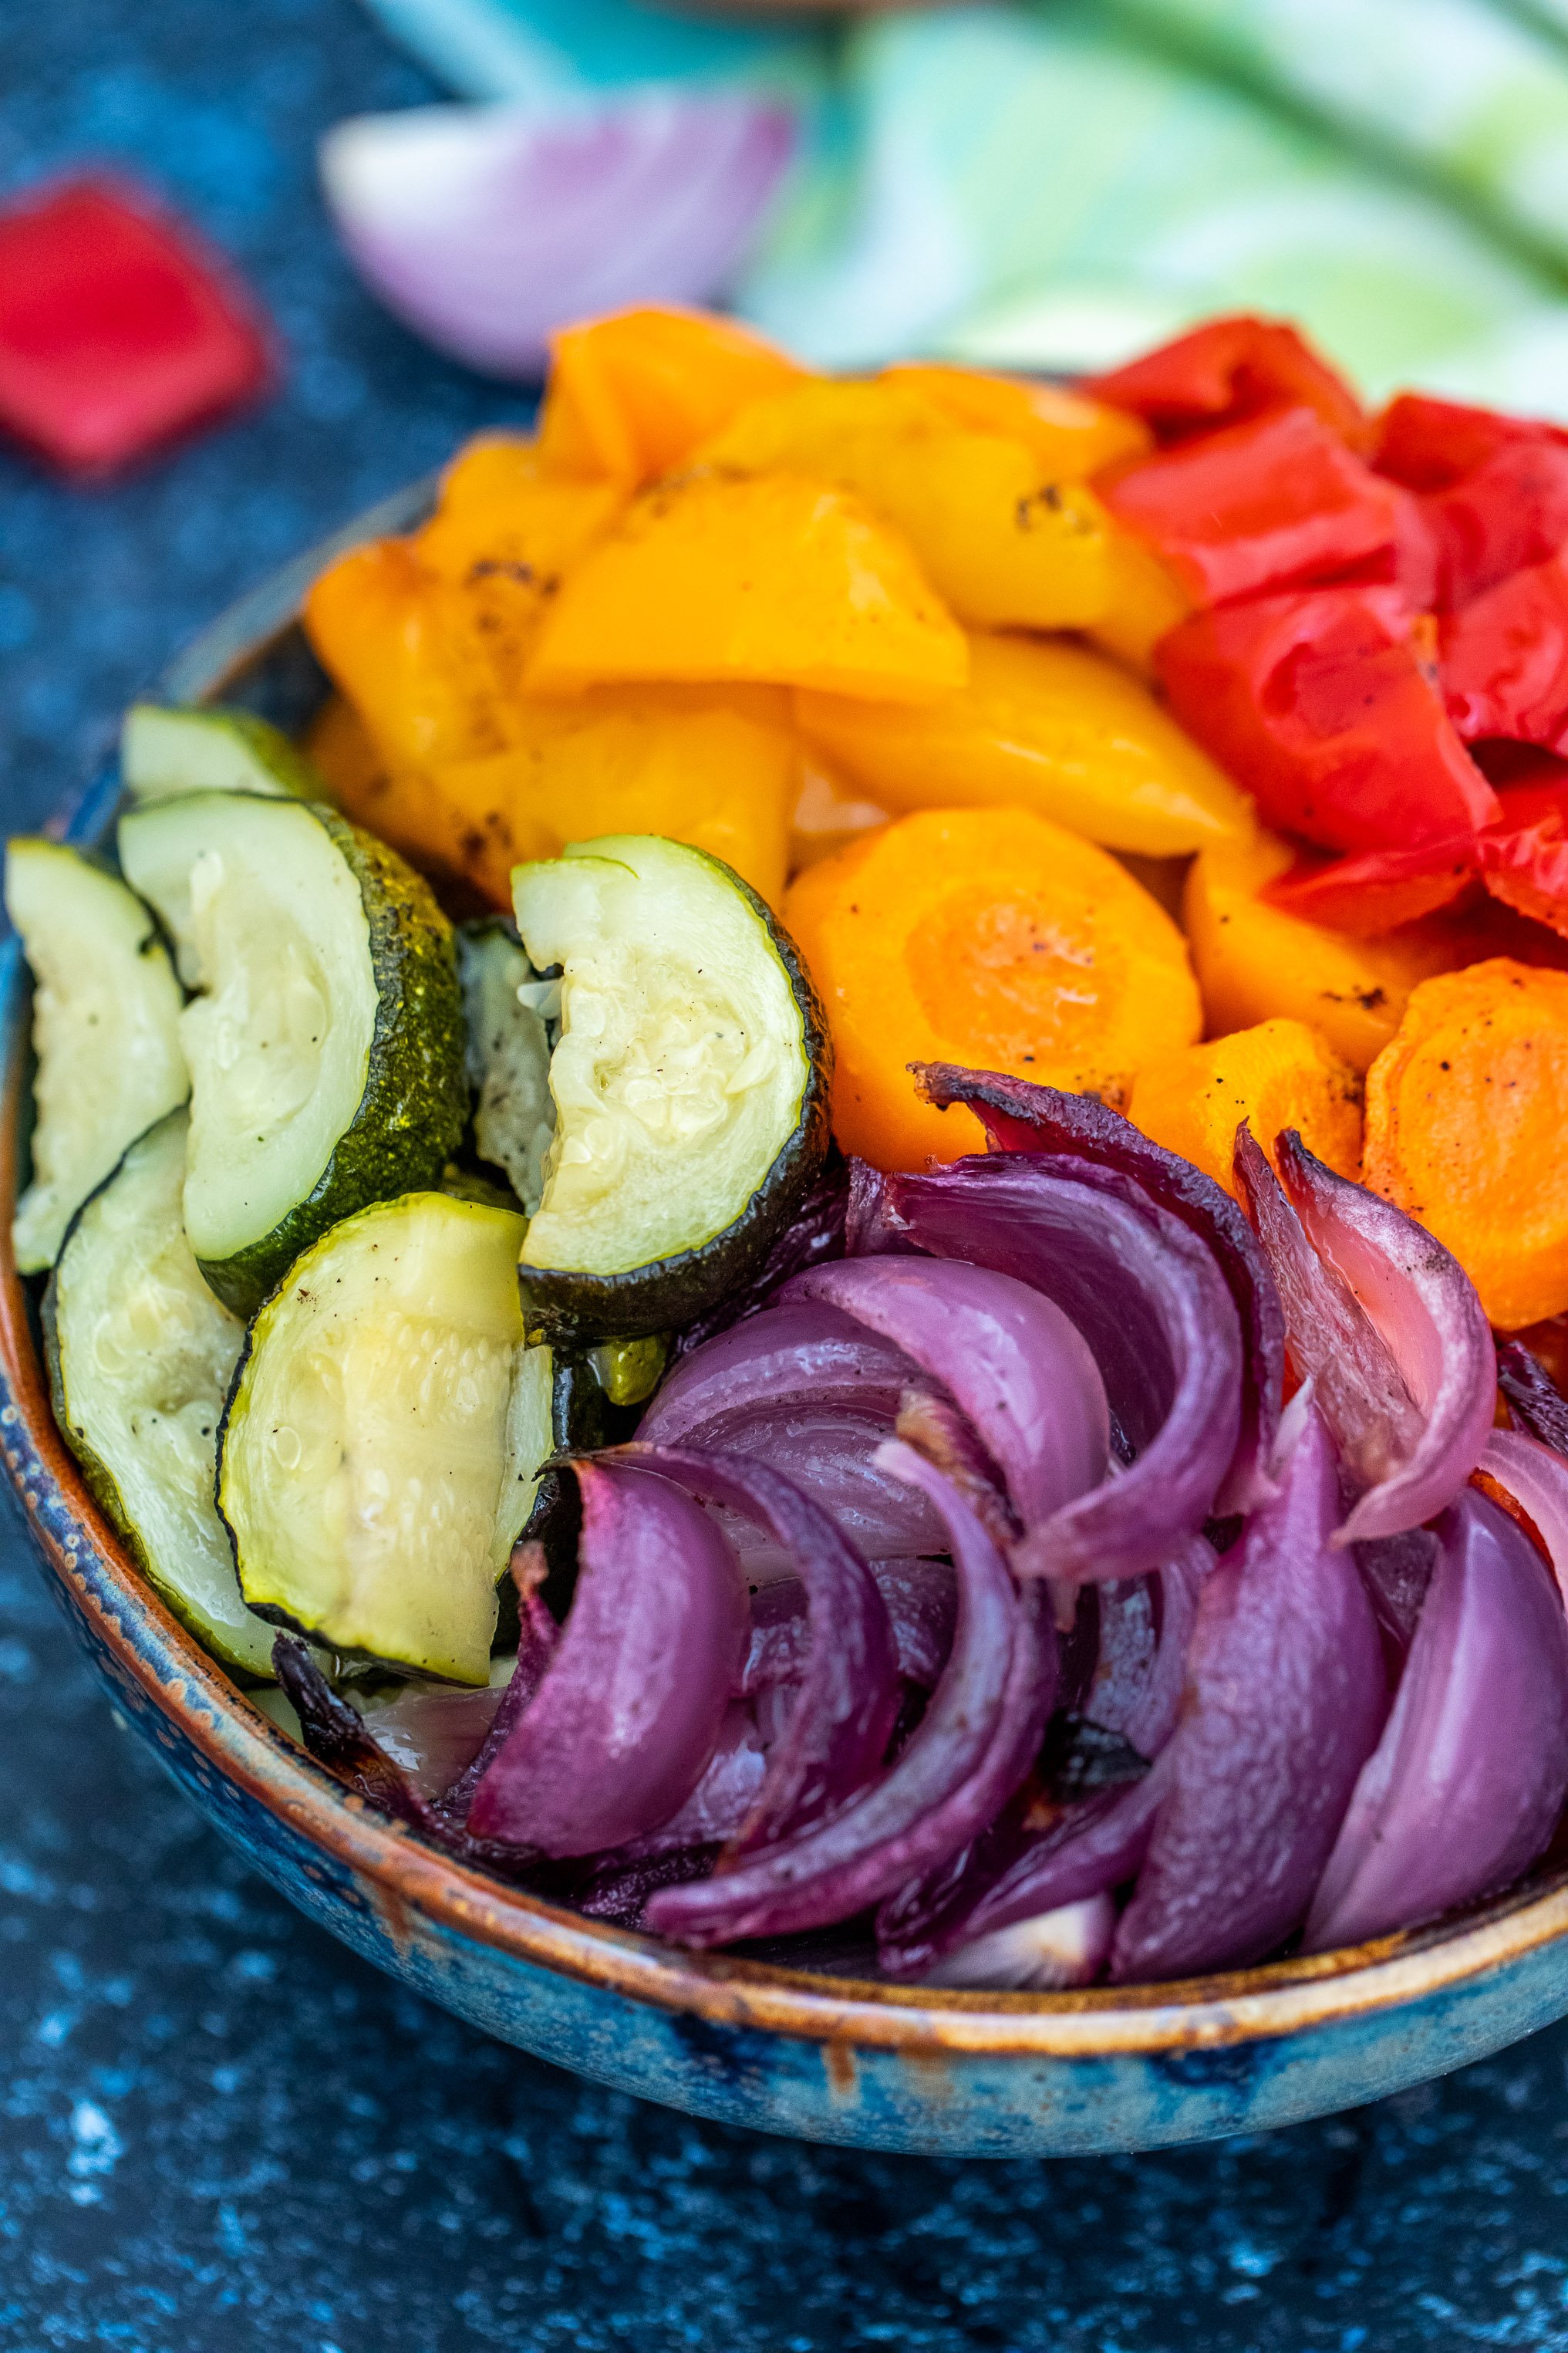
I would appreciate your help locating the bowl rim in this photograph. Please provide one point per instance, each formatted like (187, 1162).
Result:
(405, 1879)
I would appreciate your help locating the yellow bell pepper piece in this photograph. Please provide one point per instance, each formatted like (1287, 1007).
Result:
(1042, 725)
(402, 646)
(827, 816)
(1146, 600)
(631, 396)
(1280, 1074)
(1003, 543)
(719, 772)
(1255, 962)
(1070, 436)
(503, 518)
(778, 580)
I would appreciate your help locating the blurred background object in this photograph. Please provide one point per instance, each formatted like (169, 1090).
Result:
(1057, 182)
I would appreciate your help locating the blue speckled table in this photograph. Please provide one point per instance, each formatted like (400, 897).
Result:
(219, 2130)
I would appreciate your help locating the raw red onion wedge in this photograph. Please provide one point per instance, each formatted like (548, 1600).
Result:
(486, 227)
(1287, 1696)
(847, 1696)
(1469, 1777)
(972, 1749)
(1008, 1357)
(1536, 1476)
(807, 1390)
(1534, 1400)
(1423, 1306)
(627, 1714)
(1069, 1946)
(1019, 1116)
(1146, 1295)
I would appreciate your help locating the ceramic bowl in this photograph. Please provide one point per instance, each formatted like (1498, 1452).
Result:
(785, 2050)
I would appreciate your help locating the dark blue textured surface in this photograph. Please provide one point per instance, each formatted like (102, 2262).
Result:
(216, 2128)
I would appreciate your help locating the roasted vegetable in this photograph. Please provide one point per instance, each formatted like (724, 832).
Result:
(1464, 1130)
(504, 1008)
(106, 1017)
(1069, 437)
(326, 1051)
(1005, 543)
(778, 580)
(381, 1447)
(632, 396)
(139, 1356)
(690, 1082)
(1045, 727)
(991, 938)
(165, 751)
(1280, 1074)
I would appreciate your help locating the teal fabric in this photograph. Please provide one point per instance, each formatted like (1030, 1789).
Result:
(1059, 181)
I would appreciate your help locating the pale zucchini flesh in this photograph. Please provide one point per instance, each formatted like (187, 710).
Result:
(106, 1031)
(140, 1356)
(325, 1045)
(166, 750)
(507, 1056)
(383, 1440)
(689, 1081)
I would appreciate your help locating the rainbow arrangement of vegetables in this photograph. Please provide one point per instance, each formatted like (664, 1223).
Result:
(719, 1240)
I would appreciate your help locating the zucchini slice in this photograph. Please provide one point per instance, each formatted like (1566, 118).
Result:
(384, 1439)
(326, 1050)
(140, 1356)
(508, 1055)
(690, 1082)
(106, 1030)
(165, 751)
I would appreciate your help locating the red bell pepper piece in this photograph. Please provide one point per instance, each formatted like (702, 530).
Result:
(1326, 705)
(1493, 489)
(1377, 890)
(117, 329)
(1271, 502)
(1230, 369)
(1504, 659)
(1525, 855)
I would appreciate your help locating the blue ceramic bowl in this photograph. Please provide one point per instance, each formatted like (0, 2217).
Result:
(789, 2051)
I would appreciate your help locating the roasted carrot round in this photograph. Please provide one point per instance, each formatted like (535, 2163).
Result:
(1280, 1074)
(989, 937)
(1465, 1129)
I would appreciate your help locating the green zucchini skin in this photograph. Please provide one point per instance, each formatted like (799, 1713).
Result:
(574, 1310)
(162, 747)
(415, 1106)
(234, 1636)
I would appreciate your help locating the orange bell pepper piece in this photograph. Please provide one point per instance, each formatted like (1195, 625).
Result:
(631, 396)
(1006, 545)
(777, 580)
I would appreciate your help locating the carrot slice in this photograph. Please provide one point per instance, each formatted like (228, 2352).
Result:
(632, 395)
(988, 937)
(1041, 726)
(773, 579)
(1280, 1074)
(1464, 1130)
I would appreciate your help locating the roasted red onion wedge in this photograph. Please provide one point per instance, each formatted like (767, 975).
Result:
(806, 1388)
(1145, 1632)
(1018, 1116)
(1388, 1325)
(1069, 1946)
(626, 1717)
(1010, 1359)
(1286, 1696)
(921, 1601)
(845, 1699)
(1536, 1476)
(1534, 1400)
(1467, 1781)
(970, 1751)
(1146, 1295)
